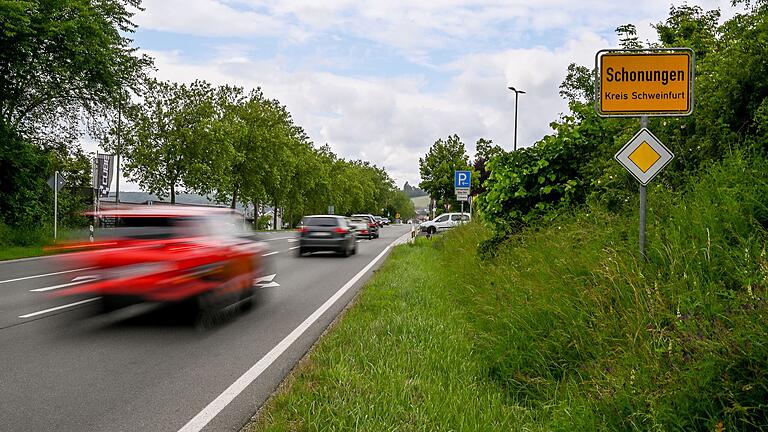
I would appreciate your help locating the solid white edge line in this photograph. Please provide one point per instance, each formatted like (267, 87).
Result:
(271, 253)
(198, 422)
(30, 315)
(44, 275)
(295, 247)
(62, 285)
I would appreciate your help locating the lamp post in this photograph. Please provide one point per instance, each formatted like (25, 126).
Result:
(517, 93)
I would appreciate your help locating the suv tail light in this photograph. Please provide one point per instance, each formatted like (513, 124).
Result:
(371, 225)
(302, 230)
(340, 230)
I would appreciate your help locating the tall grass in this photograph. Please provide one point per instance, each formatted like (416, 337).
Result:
(570, 319)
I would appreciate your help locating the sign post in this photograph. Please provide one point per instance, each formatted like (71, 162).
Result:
(643, 199)
(644, 82)
(56, 182)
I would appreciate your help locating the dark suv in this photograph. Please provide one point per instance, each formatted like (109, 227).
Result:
(373, 224)
(326, 233)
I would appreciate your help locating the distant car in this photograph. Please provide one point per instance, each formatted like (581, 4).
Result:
(386, 221)
(373, 225)
(361, 227)
(380, 221)
(444, 222)
(326, 233)
(206, 258)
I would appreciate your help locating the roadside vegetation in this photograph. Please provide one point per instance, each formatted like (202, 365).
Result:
(543, 316)
(565, 329)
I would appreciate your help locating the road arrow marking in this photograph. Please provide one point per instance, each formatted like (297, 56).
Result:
(269, 285)
(267, 278)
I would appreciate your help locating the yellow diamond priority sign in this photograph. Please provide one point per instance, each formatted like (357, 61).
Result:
(644, 156)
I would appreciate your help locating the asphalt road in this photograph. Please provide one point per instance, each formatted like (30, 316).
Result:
(140, 370)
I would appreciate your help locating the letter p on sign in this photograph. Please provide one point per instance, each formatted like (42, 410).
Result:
(462, 179)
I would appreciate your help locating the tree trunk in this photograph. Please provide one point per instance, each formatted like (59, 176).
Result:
(173, 194)
(274, 214)
(256, 213)
(234, 198)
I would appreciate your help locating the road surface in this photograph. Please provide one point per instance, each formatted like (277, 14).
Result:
(62, 368)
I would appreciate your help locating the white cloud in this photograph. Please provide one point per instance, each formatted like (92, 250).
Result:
(392, 121)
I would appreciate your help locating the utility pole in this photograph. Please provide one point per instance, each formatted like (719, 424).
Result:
(517, 93)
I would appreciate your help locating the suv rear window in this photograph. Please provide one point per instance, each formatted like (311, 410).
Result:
(321, 221)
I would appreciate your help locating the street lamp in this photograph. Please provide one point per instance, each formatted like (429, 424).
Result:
(517, 93)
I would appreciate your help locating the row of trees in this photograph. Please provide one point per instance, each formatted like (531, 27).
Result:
(239, 146)
(67, 69)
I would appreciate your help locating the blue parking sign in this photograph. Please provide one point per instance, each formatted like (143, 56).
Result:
(461, 179)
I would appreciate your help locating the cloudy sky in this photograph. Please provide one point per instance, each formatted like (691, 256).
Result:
(381, 80)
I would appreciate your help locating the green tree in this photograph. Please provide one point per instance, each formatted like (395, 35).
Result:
(437, 168)
(486, 151)
(628, 37)
(61, 58)
(176, 140)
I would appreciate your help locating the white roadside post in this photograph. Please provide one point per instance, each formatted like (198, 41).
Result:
(643, 83)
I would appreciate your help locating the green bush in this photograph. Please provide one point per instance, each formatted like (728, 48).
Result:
(24, 236)
(263, 222)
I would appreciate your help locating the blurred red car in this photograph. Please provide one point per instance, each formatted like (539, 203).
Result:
(203, 256)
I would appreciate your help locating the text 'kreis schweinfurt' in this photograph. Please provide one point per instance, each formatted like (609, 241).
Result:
(663, 77)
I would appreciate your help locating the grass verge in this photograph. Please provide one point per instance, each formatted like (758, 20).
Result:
(392, 360)
(565, 329)
(16, 252)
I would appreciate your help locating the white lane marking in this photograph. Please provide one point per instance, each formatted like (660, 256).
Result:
(50, 288)
(268, 285)
(293, 240)
(198, 422)
(271, 253)
(279, 238)
(44, 275)
(33, 314)
(295, 247)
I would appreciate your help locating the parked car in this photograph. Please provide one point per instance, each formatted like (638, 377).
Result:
(326, 233)
(373, 225)
(206, 258)
(444, 222)
(360, 226)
